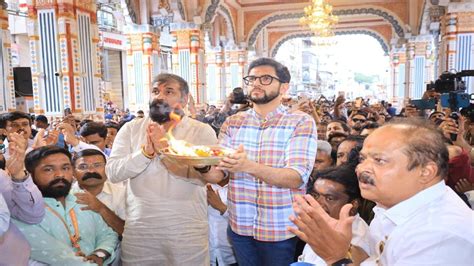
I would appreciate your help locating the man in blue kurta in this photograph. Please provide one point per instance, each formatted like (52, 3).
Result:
(67, 235)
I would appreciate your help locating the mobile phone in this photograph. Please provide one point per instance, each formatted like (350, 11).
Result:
(455, 117)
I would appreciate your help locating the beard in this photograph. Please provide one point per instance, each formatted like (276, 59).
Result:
(51, 191)
(91, 175)
(357, 127)
(266, 97)
(160, 111)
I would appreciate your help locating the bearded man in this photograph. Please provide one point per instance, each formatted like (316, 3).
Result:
(166, 221)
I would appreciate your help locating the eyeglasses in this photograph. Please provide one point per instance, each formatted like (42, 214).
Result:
(85, 167)
(19, 125)
(264, 80)
(355, 120)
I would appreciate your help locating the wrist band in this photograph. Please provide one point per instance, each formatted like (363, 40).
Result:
(204, 169)
(146, 154)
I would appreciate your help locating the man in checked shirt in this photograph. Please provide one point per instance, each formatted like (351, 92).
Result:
(275, 154)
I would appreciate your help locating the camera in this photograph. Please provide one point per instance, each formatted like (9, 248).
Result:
(238, 96)
(451, 87)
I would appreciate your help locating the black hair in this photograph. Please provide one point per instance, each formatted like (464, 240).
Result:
(42, 118)
(344, 174)
(140, 112)
(359, 112)
(84, 121)
(336, 135)
(343, 124)
(92, 128)
(166, 77)
(112, 125)
(3, 121)
(370, 125)
(281, 71)
(354, 153)
(3, 162)
(12, 116)
(87, 152)
(34, 157)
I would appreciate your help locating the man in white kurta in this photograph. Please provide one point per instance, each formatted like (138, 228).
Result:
(166, 220)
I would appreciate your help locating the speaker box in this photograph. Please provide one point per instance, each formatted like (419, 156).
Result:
(23, 83)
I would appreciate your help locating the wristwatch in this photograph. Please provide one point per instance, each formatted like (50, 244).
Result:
(100, 254)
(342, 262)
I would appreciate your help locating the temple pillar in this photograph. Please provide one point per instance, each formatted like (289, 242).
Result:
(235, 63)
(457, 40)
(143, 53)
(188, 57)
(65, 57)
(7, 86)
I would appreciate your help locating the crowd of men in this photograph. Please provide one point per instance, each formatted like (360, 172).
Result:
(309, 182)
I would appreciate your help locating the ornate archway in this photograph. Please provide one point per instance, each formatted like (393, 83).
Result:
(378, 37)
(386, 15)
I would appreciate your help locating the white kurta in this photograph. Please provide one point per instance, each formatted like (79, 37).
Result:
(166, 208)
(219, 245)
(360, 238)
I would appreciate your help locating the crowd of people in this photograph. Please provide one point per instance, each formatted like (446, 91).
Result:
(309, 182)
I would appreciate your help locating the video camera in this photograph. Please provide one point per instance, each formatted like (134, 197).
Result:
(452, 89)
(238, 96)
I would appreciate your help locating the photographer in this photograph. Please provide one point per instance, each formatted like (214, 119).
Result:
(236, 97)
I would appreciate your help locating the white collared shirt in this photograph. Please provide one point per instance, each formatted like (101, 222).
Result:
(434, 227)
(112, 195)
(220, 248)
(360, 238)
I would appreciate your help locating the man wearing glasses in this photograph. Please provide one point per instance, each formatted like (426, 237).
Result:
(357, 121)
(276, 150)
(99, 195)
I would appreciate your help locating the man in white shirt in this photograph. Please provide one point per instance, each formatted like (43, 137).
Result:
(333, 188)
(220, 248)
(166, 202)
(418, 219)
(99, 195)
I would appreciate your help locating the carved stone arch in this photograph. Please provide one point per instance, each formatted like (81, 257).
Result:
(211, 11)
(225, 13)
(378, 37)
(376, 11)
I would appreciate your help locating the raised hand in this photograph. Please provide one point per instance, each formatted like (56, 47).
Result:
(17, 149)
(69, 133)
(45, 137)
(328, 237)
(156, 137)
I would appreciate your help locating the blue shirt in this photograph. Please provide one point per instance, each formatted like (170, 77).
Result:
(50, 241)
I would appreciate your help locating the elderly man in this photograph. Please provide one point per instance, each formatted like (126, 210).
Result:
(418, 219)
(323, 157)
(166, 220)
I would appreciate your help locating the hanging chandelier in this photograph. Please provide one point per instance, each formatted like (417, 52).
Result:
(319, 18)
